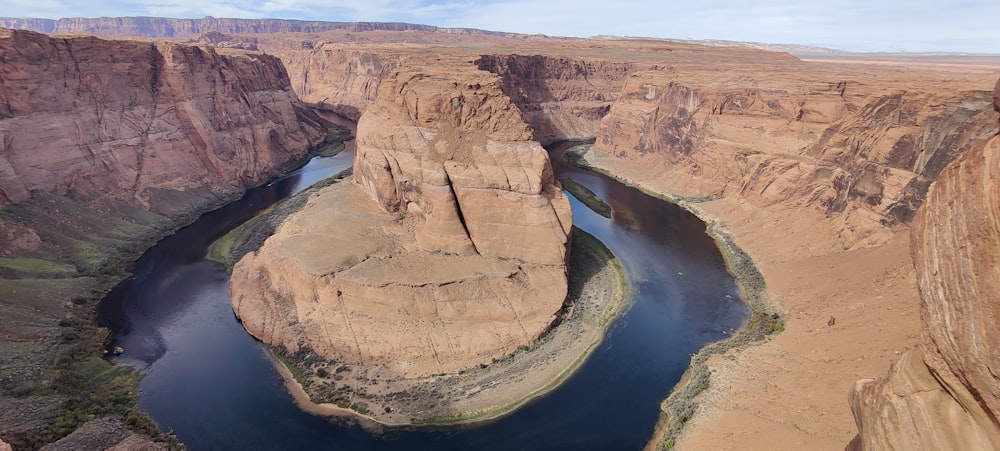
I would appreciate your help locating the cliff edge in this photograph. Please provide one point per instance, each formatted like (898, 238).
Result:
(106, 146)
(946, 393)
(449, 250)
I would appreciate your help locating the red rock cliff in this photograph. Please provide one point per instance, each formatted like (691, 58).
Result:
(860, 156)
(104, 144)
(946, 394)
(143, 123)
(447, 252)
(562, 98)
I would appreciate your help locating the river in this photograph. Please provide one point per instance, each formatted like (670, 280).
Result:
(211, 384)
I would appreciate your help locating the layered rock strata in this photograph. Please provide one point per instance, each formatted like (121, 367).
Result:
(862, 158)
(143, 123)
(946, 393)
(448, 251)
(104, 147)
(562, 98)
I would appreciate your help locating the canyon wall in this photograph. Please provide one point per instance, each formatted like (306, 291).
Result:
(341, 78)
(104, 147)
(862, 157)
(143, 123)
(946, 393)
(562, 98)
(448, 251)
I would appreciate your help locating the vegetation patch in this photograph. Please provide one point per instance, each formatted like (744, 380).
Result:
(250, 236)
(90, 386)
(586, 196)
(35, 268)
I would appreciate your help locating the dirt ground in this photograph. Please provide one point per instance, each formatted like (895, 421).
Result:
(849, 314)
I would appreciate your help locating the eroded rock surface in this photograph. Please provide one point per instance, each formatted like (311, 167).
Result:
(105, 145)
(946, 394)
(143, 123)
(448, 251)
(859, 156)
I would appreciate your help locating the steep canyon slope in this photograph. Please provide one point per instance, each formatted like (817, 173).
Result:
(814, 168)
(945, 394)
(816, 171)
(449, 250)
(104, 146)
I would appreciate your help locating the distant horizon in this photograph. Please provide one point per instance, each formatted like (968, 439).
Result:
(888, 26)
(595, 37)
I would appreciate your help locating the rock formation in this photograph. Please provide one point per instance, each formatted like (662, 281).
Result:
(860, 158)
(815, 168)
(562, 98)
(105, 145)
(157, 126)
(448, 251)
(946, 394)
(341, 78)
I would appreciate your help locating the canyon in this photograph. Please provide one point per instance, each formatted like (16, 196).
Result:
(817, 169)
(105, 146)
(945, 393)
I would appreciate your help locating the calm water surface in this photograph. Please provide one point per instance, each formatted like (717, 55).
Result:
(212, 384)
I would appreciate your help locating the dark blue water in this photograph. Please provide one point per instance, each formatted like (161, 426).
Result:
(212, 384)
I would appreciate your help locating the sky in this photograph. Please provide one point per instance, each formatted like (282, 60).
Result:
(854, 25)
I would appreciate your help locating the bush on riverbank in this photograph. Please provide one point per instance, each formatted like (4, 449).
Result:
(586, 196)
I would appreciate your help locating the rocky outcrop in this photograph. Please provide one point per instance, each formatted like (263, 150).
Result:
(448, 251)
(339, 78)
(946, 394)
(105, 146)
(157, 126)
(562, 98)
(861, 158)
(478, 183)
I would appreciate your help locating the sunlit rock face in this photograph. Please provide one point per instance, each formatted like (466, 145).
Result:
(946, 394)
(159, 126)
(449, 249)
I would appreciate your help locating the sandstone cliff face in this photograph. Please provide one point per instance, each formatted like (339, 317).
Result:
(448, 251)
(104, 146)
(562, 98)
(461, 160)
(946, 395)
(143, 123)
(860, 157)
(337, 77)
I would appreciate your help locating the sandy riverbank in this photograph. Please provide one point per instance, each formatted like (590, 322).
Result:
(849, 312)
(598, 292)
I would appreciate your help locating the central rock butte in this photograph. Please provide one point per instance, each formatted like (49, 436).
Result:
(449, 250)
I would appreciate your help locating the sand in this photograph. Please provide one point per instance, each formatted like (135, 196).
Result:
(849, 314)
